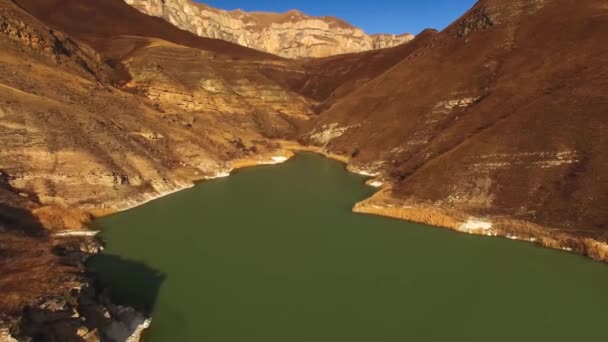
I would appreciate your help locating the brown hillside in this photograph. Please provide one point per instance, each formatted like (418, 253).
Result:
(504, 114)
(90, 20)
(72, 145)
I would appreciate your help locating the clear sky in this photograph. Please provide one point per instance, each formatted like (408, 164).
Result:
(373, 16)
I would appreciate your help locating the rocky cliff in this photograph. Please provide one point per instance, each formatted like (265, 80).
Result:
(292, 34)
(93, 123)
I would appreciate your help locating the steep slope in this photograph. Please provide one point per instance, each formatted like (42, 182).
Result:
(182, 114)
(45, 293)
(90, 129)
(96, 21)
(292, 34)
(502, 118)
(325, 80)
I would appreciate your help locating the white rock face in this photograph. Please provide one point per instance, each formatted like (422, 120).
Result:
(292, 34)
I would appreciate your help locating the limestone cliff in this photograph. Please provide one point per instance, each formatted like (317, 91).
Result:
(494, 126)
(292, 34)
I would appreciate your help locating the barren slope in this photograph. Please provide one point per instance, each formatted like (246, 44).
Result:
(503, 115)
(95, 21)
(73, 146)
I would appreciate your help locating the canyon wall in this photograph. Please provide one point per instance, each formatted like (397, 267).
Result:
(292, 34)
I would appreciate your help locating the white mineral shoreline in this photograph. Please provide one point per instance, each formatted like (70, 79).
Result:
(134, 203)
(76, 233)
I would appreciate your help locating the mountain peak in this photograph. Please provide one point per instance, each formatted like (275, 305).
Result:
(292, 34)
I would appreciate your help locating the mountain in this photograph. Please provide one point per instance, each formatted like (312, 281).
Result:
(495, 125)
(498, 121)
(292, 34)
(102, 114)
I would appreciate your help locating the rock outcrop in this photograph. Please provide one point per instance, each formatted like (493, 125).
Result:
(74, 143)
(292, 34)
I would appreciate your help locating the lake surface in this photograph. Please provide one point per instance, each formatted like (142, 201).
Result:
(274, 254)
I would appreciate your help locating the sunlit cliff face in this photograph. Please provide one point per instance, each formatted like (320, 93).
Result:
(292, 34)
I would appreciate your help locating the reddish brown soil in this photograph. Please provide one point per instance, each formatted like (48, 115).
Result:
(325, 80)
(538, 78)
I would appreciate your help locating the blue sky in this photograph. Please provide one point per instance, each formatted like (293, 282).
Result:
(379, 16)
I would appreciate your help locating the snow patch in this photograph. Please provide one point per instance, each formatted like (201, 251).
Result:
(376, 183)
(130, 326)
(279, 159)
(328, 133)
(219, 174)
(77, 233)
(456, 103)
(365, 173)
(543, 160)
(370, 170)
(475, 224)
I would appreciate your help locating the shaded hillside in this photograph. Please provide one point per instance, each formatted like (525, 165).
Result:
(503, 115)
(94, 21)
(326, 80)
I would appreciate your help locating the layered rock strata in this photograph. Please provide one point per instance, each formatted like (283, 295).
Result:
(292, 34)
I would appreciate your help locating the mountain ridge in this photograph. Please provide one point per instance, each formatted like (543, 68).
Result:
(292, 34)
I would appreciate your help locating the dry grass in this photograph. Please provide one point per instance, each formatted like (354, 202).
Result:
(295, 146)
(30, 271)
(384, 204)
(56, 218)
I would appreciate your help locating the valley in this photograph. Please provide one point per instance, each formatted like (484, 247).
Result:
(494, 126)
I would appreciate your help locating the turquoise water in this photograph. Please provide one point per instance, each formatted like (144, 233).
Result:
(274, 253)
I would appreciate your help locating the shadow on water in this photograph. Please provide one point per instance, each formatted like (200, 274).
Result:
(130, 282)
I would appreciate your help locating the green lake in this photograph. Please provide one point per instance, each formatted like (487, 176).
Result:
(274, 254)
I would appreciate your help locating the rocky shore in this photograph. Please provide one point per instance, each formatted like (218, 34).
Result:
(80, 309)
(85, 310)
(384, 203)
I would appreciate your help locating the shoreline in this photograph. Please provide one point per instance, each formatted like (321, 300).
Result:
(286, 151)
(381, 203)
(437, 217)
(278, 157)
(80, 234)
